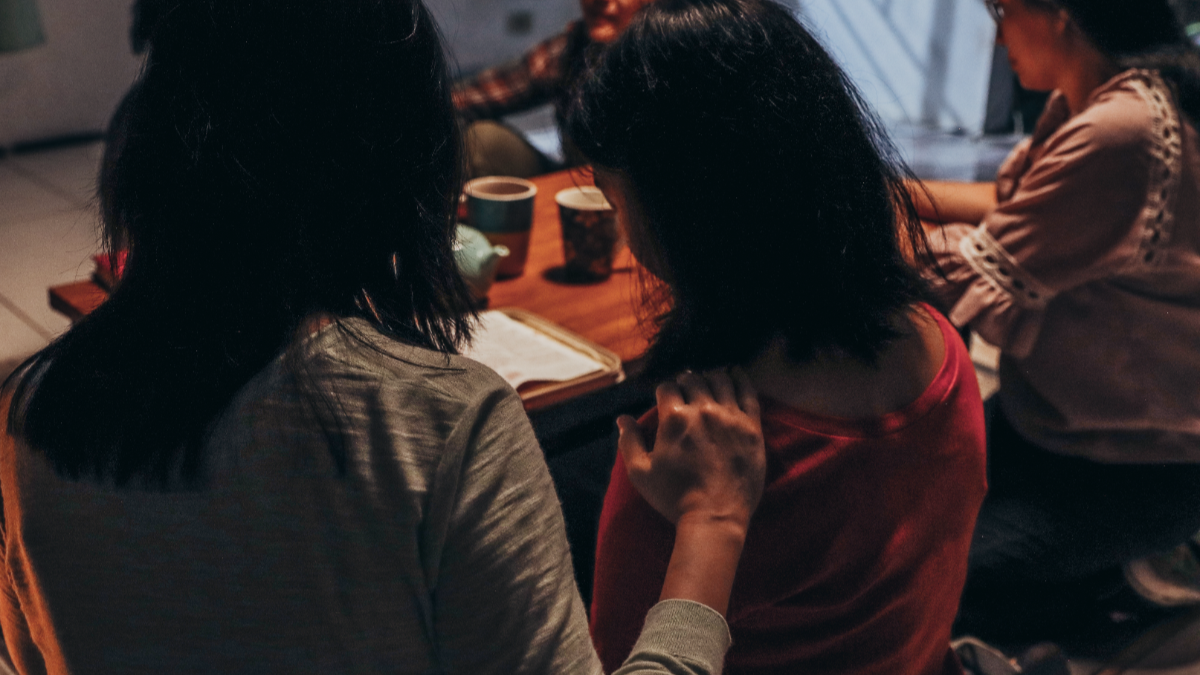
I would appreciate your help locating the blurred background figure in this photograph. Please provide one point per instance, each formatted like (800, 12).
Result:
(1081, 262)
(546, 74)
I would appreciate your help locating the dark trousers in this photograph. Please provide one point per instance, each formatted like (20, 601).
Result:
(1053, 533)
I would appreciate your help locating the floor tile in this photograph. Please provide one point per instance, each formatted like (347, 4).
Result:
(17, 340)
(22, 198)
(39, 253)
(70, 172)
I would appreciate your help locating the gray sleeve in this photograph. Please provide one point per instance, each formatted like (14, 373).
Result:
(680, 637)
(505, 600)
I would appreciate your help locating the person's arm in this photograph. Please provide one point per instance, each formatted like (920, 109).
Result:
(705, 474)
(514, 87)
(941, 202)
(1077, 214)
(504, 598)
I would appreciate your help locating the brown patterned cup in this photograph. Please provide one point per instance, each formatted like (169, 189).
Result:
(589, 233)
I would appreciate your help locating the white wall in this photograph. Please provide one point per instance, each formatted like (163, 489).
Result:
(923, 62)
(71, 83)
(480, 33)
(917, 61)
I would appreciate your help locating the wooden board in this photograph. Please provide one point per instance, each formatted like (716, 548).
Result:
(77, 300)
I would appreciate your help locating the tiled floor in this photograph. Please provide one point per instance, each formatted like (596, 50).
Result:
(48, 233)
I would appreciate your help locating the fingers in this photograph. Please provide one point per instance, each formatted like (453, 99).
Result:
(708, 458)
(747, 397)
(671, 422)
(683, 399)
(632, 446)
(669, 396)
(694, 386)
(727, 387)
(722, 387)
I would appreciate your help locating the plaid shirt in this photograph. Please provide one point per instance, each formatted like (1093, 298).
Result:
(538, 77)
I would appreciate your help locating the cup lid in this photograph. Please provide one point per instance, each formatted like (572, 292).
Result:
(583, 198)
(512, 188)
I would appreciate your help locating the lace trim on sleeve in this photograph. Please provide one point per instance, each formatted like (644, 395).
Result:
(987, 257)
(1158, 214)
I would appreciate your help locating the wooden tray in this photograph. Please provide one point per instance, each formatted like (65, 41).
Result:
(77, 300)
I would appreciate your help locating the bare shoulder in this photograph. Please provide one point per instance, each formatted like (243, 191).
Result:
(850, 389)
(911, 363)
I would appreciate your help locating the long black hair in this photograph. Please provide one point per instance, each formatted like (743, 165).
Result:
(1141, 34)
(276, 159)
(771, 195)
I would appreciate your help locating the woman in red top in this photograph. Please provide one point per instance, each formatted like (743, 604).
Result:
(782, 242)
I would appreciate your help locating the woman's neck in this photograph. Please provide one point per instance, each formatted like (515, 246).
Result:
(1080, 79)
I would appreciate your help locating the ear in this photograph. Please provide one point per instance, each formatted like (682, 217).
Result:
(1068, 31)
(1063, 23)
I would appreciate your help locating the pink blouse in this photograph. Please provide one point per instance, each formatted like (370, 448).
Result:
(1087, 276)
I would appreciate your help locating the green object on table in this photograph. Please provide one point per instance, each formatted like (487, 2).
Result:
(20, 25)
(477, 260)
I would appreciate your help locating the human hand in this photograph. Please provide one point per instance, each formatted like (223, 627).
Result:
(708, 463)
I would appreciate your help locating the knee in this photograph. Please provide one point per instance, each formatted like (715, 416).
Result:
(494, 149)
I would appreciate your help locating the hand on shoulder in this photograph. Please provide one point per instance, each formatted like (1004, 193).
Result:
(707, 460)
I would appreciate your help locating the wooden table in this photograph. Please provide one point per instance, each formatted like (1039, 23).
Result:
(77, 300)
(601, 312)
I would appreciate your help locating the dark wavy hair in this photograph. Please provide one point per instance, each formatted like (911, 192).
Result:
(772, 197)
(1141, 34)
(275, 160)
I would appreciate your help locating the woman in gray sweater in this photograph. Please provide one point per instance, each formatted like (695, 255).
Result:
(262, 453)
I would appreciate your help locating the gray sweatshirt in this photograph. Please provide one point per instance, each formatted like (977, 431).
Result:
(441, 549)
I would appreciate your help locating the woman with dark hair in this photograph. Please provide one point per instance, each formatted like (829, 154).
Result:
(780, 243)
(1082, 263)
(262, 453)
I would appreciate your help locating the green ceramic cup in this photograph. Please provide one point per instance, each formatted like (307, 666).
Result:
(501, 207)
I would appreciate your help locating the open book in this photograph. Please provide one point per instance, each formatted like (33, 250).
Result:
(544, 362)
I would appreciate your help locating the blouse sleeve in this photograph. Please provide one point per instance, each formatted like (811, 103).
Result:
(1095, 202)
(516, 86)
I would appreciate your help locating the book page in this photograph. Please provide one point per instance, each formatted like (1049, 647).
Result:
(522, 354)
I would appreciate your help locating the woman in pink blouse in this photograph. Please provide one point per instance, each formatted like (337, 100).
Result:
(1082, 263)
